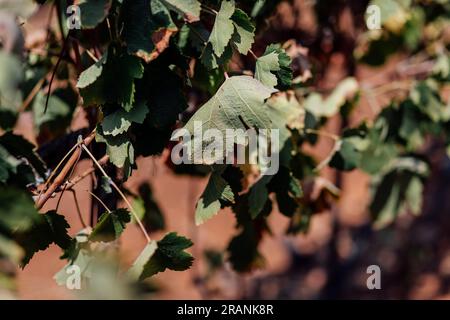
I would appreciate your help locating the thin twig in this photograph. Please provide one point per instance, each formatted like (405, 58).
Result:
(66, 39)
(208, 9)
(90, 54)
(32, 94)
(56, 170)
(68, 179)
(99, 200)
(77, 179)
(59, 180)
(136, 217)
(253, 54)
(77, 205)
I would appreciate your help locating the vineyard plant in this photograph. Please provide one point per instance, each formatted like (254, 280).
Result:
(94, 92)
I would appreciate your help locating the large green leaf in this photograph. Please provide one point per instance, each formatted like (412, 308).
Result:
(238, 104)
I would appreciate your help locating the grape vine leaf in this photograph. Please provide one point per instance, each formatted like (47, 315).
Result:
(120, 121)
(111, 79)
(93, 12)
(110, 225)
(243, 249)
(244, 35)
(273, 68)
(11, 250)
(144, 257)
(211, 61)
(82, 261)
(148, 27)
(287, 114)
(21, 148)
(57, 118)
(50, 227)
(258, 195)
(223, 27)
(8, 165)
(164, 102)
(119, 148)
(427, 99)
(17, 212)
(238, 104)
(189, 9)
(91, 74)
(11, 78)
(327, 107)
(349, 150)
(169, 254)
(217, 190)
(397, 189)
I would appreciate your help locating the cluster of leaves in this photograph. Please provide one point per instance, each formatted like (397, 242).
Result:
(150, 58)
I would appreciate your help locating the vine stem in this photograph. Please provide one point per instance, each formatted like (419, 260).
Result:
(209, 10)
(99, 200)
(77, 206)
(136, 217)
(77, 179)
(253, 54)
(59, 180)
(32, 94)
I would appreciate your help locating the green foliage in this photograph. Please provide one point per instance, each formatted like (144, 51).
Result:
(10, 94)
(238, 104)
(167, 253)
(47, 229)
(223, 28)
(217, 190)
(110, 225)
(93, 12)
(273, 68)
(149, 58)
